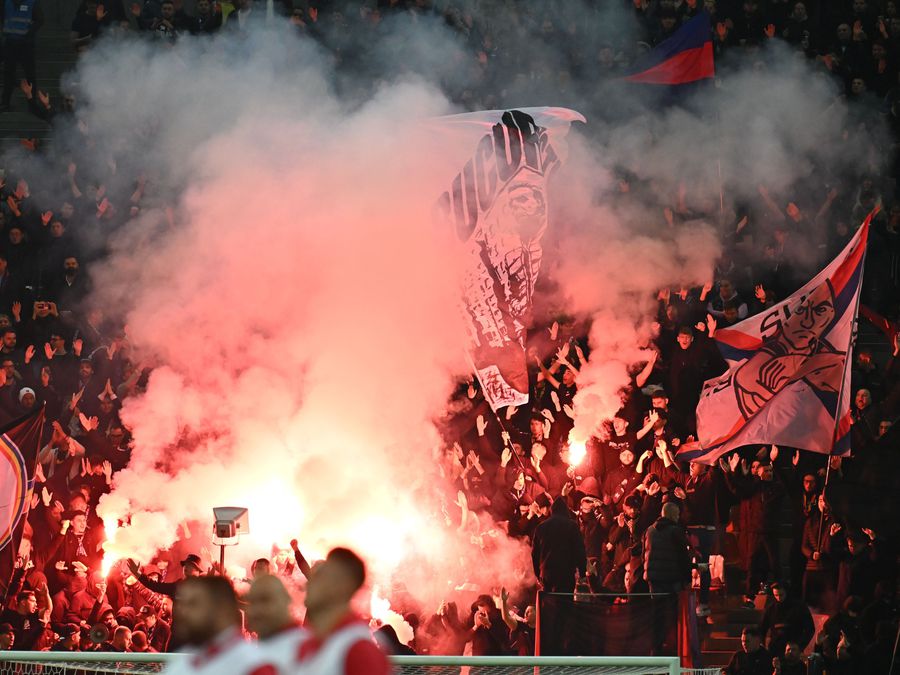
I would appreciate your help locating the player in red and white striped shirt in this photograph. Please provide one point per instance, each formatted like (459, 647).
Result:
(208, 618)
(340, 643)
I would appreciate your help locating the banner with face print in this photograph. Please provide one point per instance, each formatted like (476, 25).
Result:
(789, 365)
(19, 446)
(497, 207)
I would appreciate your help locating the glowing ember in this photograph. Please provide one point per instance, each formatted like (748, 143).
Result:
(577, 452)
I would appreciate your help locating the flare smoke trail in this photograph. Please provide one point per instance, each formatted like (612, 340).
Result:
(304, 309)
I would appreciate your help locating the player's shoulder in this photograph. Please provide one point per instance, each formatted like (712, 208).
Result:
(364, 657)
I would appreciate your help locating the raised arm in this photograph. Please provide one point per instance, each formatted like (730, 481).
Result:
(504, 610)
(302, 563)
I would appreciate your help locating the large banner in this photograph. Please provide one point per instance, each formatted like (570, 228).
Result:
(19, 445)
(497, 205)
(789, 365)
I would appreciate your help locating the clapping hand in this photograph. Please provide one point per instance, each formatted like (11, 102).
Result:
(88, 423)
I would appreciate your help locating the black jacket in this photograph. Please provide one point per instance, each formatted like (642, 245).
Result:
(666, 556)
(558, 550)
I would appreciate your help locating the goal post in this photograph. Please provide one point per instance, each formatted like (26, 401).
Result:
(71, 663)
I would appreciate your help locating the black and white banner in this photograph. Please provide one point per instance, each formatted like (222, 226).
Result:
(497, 205)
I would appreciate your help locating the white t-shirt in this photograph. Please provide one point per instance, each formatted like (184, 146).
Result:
(282, 648)
(227, 654)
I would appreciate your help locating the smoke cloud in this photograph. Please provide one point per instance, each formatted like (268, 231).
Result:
(300, 306)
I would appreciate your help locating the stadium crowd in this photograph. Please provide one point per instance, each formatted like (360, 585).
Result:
(626, 518)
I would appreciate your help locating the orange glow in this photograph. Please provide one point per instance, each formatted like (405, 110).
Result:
(577, 452)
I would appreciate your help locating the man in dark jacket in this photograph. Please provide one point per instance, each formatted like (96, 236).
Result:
(190, 567)
(557, 552)
(667, 563)
(786, 620)
(752, 658)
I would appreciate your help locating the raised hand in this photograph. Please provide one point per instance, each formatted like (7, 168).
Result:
(510, 411)
(461, 500)
(133, 566)
(760, 292)
(17, 311)
(76, 397)
(88, 423)
(77, 346)
(554, 330)
(555, 398)
(481, 424)
(505, 456)
(711, 324)
(569, 411)
(733, 462)
(580, 354)
(48, 351)
(796, 459)
(26, 88)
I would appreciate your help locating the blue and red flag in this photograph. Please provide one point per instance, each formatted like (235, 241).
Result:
(683, 58)
(788, 381)
(19, 445)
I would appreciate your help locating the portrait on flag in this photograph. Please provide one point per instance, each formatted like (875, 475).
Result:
(799, 351)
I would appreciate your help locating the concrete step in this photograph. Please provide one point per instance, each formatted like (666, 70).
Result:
(726, 643)
(738, 616)
(716, 659)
